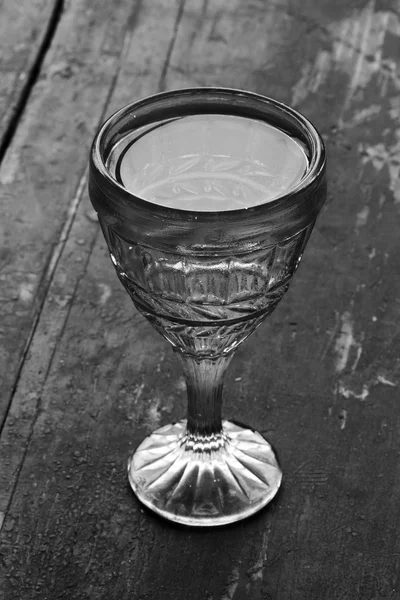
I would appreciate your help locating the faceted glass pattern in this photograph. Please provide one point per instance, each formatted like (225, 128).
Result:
(205, 305)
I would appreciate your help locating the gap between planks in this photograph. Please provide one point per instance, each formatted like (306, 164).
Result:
(23, 99)
(45, 287)
(161, 85)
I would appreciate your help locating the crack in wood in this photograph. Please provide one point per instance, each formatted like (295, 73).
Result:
(32, 78)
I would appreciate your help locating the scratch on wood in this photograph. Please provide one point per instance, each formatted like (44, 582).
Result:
(347, 393)
(381, 156)
(365, 45)
(362, 116)
(256, 571)
(153, 414)
(332, 335)
(382, 379)
(343, 418)
(368, 29)
(105, 293)
(312, 77)
(347, 390)
(344, 343)
(137, 392)
(362, 217)
(232, 584)
(92, 550)
(357, 50)
(309, 474)
(341, 46)
(357, 358)
(300, 467)
(2, 517)
(313, 477)
(304, 518)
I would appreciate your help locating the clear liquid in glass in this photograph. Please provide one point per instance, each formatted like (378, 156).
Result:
(209, 163)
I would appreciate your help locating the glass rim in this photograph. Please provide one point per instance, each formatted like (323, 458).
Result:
(315, 145)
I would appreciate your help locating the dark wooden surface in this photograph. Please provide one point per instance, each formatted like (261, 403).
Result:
(84, 377)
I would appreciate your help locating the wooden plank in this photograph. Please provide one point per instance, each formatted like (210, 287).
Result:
(63, 280)
(319, 378)
(25, 30)
(44, 165)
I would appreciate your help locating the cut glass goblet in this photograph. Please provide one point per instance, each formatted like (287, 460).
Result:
(205, 280)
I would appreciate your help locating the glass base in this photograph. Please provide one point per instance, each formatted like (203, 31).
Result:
(204, 481)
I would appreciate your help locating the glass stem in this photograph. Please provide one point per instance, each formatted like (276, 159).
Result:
(204, 381)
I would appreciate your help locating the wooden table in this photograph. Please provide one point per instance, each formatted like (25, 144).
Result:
(84, 377)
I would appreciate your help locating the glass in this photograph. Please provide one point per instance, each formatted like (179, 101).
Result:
(206, 281)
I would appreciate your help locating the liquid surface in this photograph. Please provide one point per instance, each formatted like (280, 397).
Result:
(211, 163)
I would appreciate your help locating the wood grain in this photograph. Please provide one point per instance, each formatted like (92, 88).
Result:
(320, 378)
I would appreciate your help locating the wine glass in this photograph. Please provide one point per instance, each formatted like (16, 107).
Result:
(205, 280)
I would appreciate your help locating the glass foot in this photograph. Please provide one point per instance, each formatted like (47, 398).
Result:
(204, 481)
